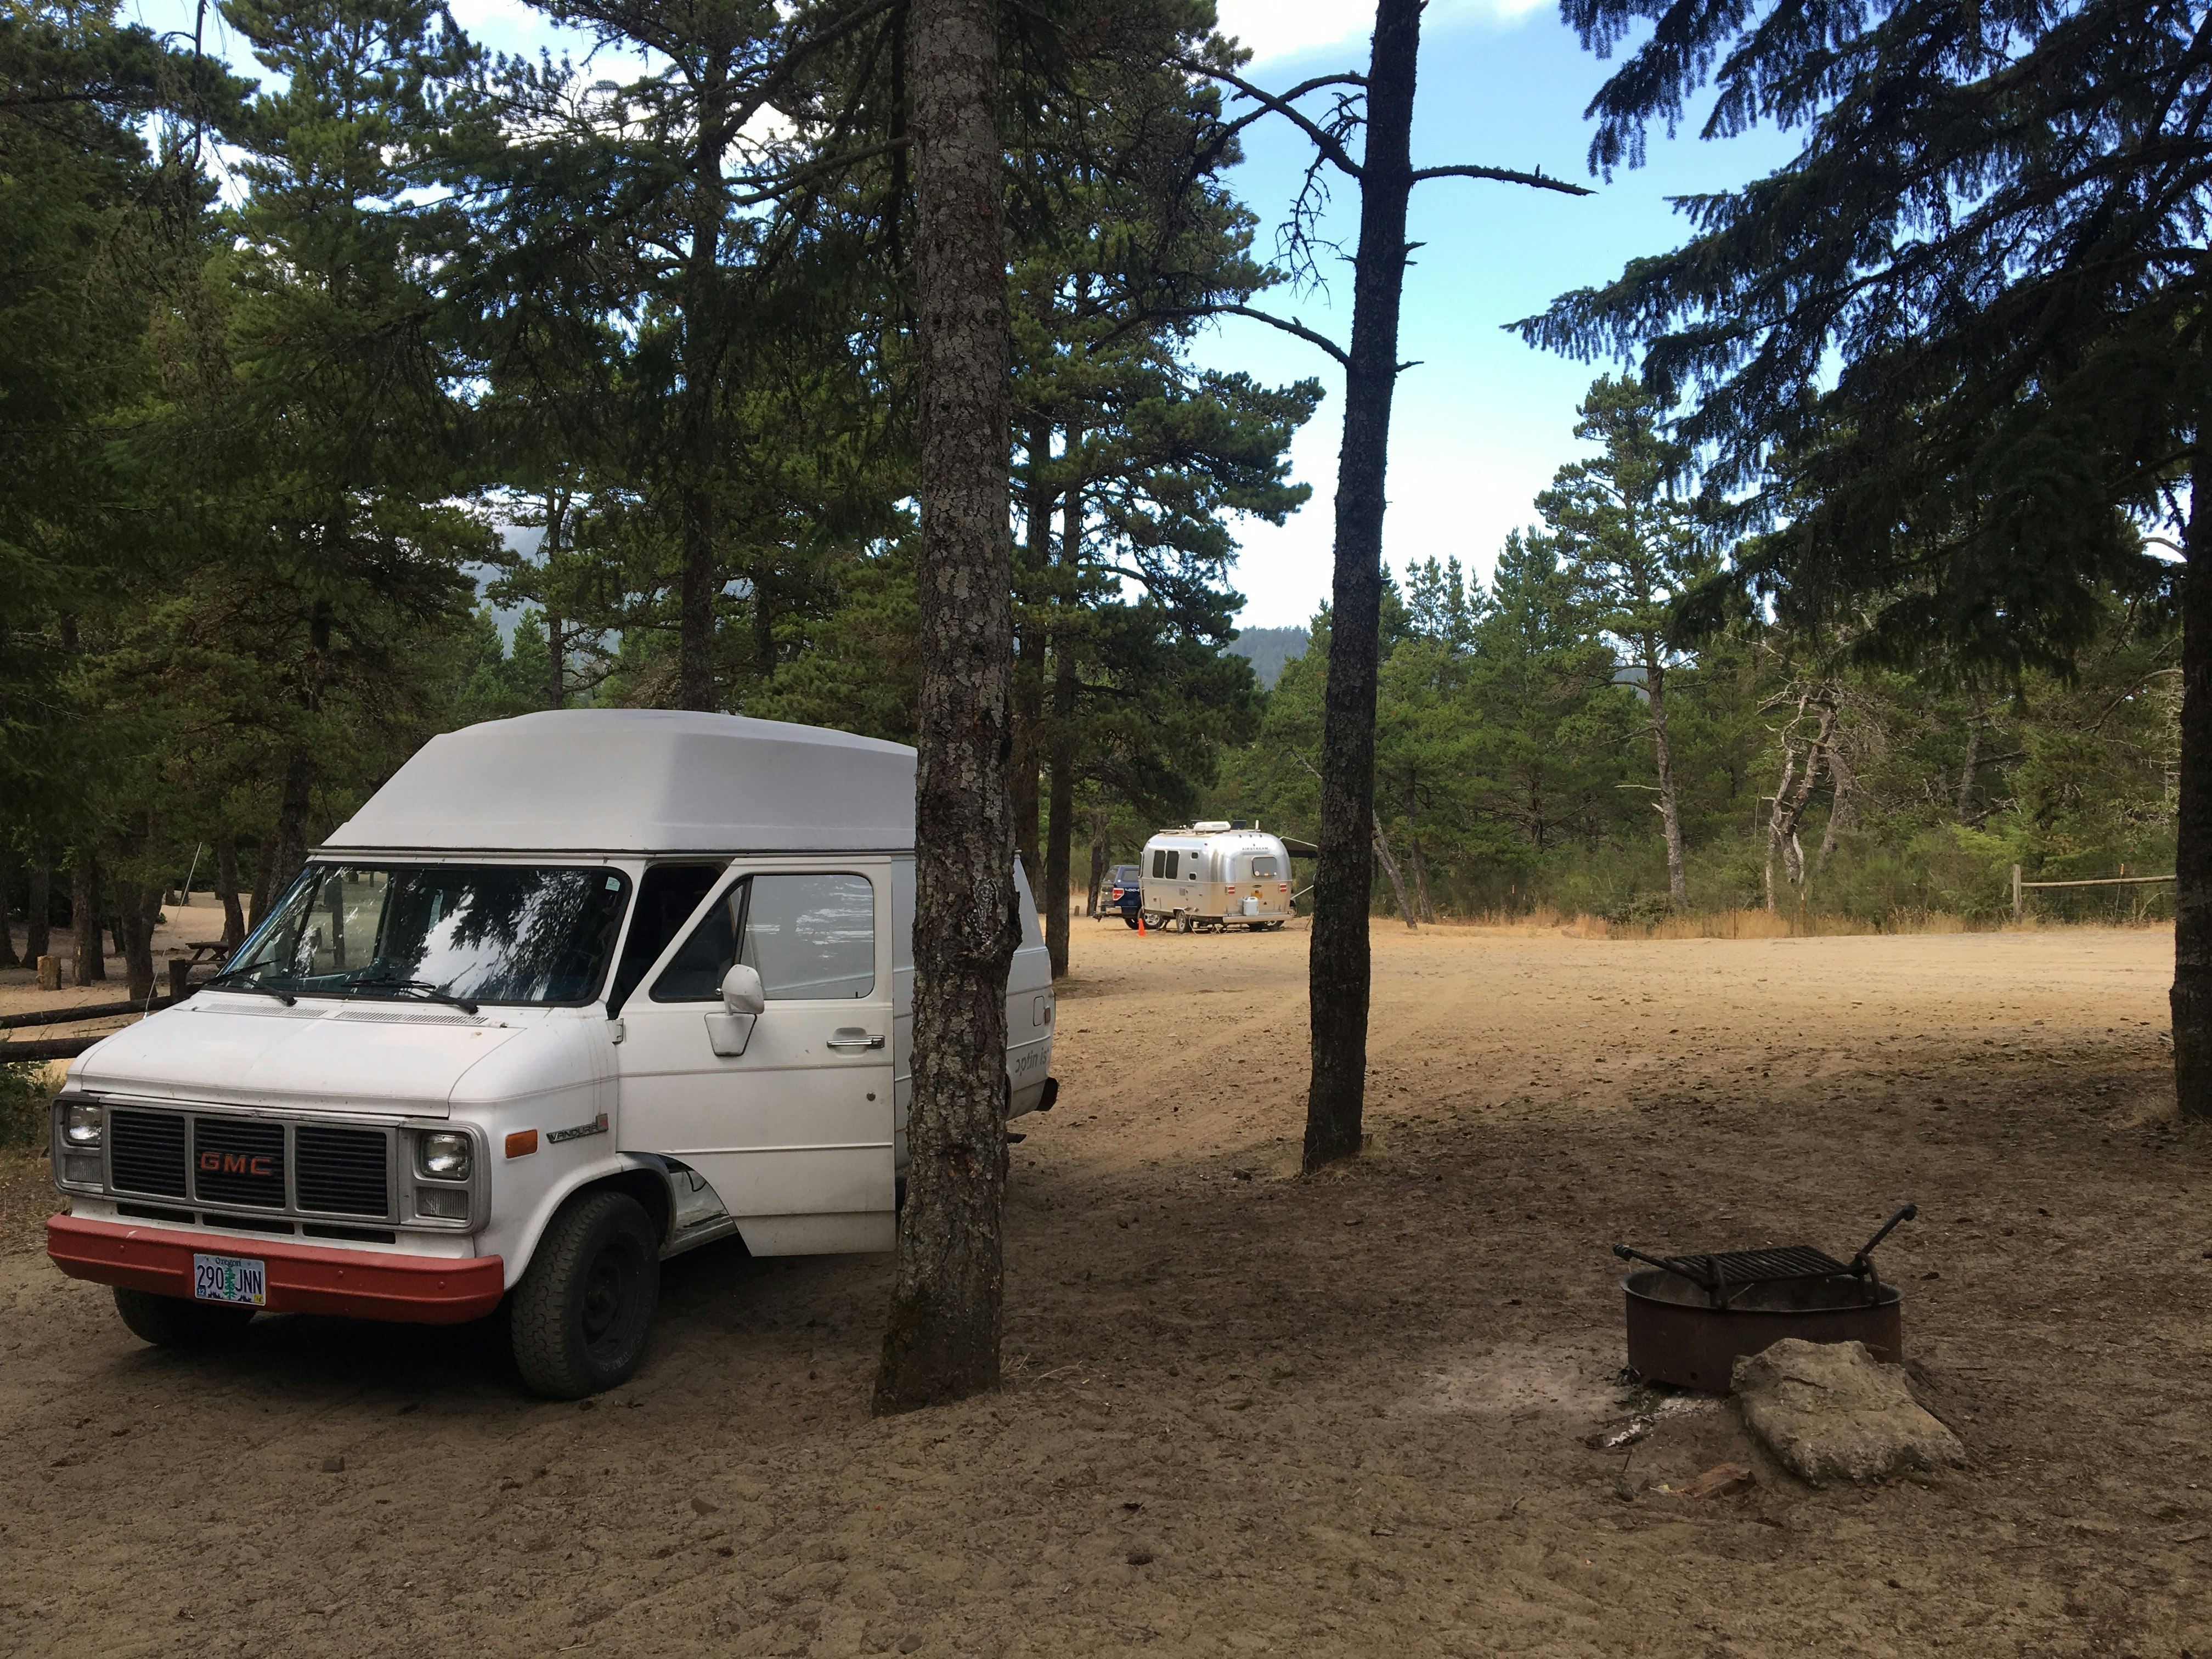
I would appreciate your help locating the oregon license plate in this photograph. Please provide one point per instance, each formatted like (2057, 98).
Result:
(237, 1279)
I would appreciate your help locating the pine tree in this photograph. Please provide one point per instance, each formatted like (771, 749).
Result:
(1957, 348)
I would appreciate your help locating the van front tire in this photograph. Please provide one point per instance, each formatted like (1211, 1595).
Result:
(582, 1310)
(170, 1321)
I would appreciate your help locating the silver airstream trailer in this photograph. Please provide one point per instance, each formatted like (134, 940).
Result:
(1217, 875)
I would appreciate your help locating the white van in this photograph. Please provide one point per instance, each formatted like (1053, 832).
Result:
(1216, 875)
(571, 994)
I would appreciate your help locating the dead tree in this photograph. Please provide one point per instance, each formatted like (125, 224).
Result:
(1380, 103)
(941, 1340)
(1803, 755)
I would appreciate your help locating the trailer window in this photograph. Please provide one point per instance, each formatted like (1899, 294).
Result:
(1264, 868)
(809, 938)
(1163, 863)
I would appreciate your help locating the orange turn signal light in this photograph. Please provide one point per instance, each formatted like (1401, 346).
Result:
(522, 1143)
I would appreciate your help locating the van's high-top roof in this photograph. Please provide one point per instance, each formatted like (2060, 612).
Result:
(641, 781)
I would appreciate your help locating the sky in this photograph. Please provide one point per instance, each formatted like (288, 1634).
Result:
(1484, 421)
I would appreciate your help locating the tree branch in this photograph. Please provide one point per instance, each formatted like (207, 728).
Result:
(1538, 179)
(1289, 326)
(1328, 146)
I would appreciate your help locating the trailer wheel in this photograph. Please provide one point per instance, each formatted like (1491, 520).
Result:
(583, 1307)
(171, 1322)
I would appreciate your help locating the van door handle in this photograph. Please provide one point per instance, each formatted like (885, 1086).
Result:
(851, 1037)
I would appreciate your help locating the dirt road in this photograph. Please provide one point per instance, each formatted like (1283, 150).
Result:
(1251, 1414)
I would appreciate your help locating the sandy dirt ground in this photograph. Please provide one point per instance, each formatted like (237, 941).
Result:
(1250, 1413)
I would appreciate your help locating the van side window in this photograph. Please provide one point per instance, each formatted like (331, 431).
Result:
(808, 937)
(666, 899)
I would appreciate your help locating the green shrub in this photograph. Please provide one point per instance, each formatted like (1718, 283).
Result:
(24, 1097)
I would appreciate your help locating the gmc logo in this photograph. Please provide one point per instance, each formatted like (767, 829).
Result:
(237, 1163)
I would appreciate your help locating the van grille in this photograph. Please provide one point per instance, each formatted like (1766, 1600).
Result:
(343, 1171)
(238, 1161)
(146, 1152)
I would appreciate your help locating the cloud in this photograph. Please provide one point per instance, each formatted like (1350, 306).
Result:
(1280, 28)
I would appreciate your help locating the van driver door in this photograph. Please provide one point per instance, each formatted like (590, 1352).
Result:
(794, 1133)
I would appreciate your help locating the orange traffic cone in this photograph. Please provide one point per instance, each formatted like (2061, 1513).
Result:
(1140, 924)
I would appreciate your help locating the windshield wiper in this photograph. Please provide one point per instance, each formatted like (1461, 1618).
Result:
(255, 984)
(421, 987)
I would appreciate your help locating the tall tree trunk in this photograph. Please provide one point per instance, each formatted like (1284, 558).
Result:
(557, 669)
(8, 956)
(226, 883)
(1097, 859)
(1678, 887)
(265, 885)
(1969, 774)
(1029, 661)
(1061, 744)
(2191, 999)
(700, 579)
(941, 1339)
(1420, 864)
(37, 914)
(1397, 880)
(1339, 966)
(141, 908)
(91, 963)
(292, 803)
(1843, 784)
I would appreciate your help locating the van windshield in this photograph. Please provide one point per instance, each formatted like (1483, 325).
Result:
(486, 933)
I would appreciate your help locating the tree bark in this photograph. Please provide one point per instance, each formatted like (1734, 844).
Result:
(140, 910)
(1097, 859)
(91, 960)
(1654, 680)
(700, 578)
(265, 887)
(1397, 880)
(292, 800)
(226, 882)
(2191, 1001)
(7, 957)
(1029, 665)
(1968, 774)
(1059, 829)
(1340, 968)
(1421, 865)
(941, 1339)
(37, 938)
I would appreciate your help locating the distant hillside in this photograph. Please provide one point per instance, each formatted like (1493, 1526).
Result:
(1269, 648)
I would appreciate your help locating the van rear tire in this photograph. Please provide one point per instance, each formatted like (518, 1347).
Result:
(584, 1307)
(171, 1322)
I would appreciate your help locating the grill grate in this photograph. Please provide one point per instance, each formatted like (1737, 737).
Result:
(146, 1152)
(1765, 1267)
(1723, 1273)
(238, 1161)
(342, 1171)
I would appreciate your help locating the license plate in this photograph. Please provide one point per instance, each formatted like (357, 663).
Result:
(237, 1279)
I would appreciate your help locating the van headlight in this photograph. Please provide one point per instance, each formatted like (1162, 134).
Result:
(444, 1155)
(83, 1123)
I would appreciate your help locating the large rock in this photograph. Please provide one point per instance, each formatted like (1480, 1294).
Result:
(1829, 1410)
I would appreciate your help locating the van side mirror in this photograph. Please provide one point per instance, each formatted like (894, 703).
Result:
(742, 991)
(729, 1030)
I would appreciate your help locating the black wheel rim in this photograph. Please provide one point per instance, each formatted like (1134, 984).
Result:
(607, 1313)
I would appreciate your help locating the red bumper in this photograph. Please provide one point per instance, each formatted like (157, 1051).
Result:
(422, 1290)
